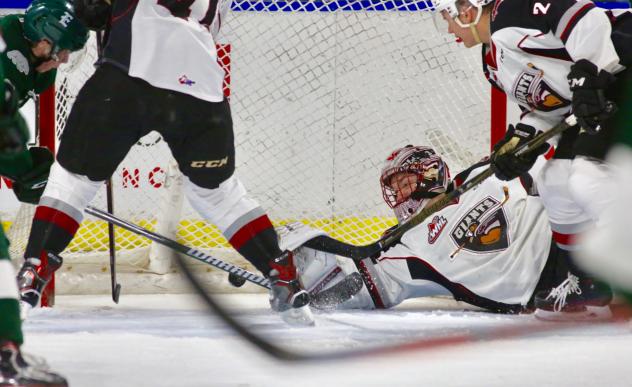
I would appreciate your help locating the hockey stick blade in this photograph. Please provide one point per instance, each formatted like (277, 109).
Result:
(358, 253)
(116, 292)
(331, 297)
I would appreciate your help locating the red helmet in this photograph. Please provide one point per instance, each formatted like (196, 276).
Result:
(410, 177)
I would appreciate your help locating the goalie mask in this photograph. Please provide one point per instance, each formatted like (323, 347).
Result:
(411, 177)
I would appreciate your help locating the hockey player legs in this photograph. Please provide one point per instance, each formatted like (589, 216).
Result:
(111, 113)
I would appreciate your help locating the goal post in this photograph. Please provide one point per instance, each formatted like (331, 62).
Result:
(320, 92)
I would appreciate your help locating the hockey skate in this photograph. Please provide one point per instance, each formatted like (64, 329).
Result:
(574, 299)
(32, 280)
(16, 371)
(286, 295)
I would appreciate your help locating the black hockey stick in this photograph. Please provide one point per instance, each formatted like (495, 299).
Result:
(334, 246)
(116, 287)
(188, 251)
(324, 299)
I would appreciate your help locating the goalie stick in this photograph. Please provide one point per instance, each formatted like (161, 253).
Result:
(358, 253)
(328, 298)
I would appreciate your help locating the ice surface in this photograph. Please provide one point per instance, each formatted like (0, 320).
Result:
(171, 340)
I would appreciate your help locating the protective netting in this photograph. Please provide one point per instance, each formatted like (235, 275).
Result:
(321, 93)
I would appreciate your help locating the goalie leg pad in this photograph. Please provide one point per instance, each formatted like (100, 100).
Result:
(319, 271)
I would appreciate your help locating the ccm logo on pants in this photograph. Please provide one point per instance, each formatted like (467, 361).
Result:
(210, 163)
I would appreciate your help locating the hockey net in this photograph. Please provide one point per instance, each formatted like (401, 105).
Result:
(321, 93)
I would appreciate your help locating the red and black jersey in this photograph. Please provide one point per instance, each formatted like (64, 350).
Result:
(167, 43)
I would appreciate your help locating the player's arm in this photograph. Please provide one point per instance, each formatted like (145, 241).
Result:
(27, 168)
(584, 29)
(586, 33)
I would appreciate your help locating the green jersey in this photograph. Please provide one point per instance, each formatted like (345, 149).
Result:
(19, 63)
(14, 164)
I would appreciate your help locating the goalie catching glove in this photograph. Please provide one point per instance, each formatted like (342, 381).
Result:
(505, 163)
(588, 85)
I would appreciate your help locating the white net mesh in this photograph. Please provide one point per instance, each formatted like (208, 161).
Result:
(319, 99)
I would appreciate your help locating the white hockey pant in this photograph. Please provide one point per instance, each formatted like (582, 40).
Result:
(576, 193)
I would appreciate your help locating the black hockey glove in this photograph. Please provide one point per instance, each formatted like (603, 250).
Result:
(588, 85)
(29, 187)
(94, 14)
(10, 100)
(13, 135)
(505, 164)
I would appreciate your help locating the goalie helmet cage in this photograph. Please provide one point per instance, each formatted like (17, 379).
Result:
(321, 93)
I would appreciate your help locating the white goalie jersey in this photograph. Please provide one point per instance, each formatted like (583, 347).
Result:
(488, 248)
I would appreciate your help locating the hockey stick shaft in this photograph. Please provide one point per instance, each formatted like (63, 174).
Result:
(116, 287)
(188, 251)
(328, 244)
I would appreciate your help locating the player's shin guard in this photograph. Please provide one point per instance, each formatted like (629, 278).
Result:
(250, 232)
(240, 218)
(56, 220)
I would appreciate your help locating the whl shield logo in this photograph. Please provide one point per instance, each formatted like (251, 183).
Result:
(435, 228)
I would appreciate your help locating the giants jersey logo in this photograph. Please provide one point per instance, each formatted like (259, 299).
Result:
(532, 91)
(483, 229)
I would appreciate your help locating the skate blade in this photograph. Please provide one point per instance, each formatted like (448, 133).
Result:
(591, 313)
(300, 317)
